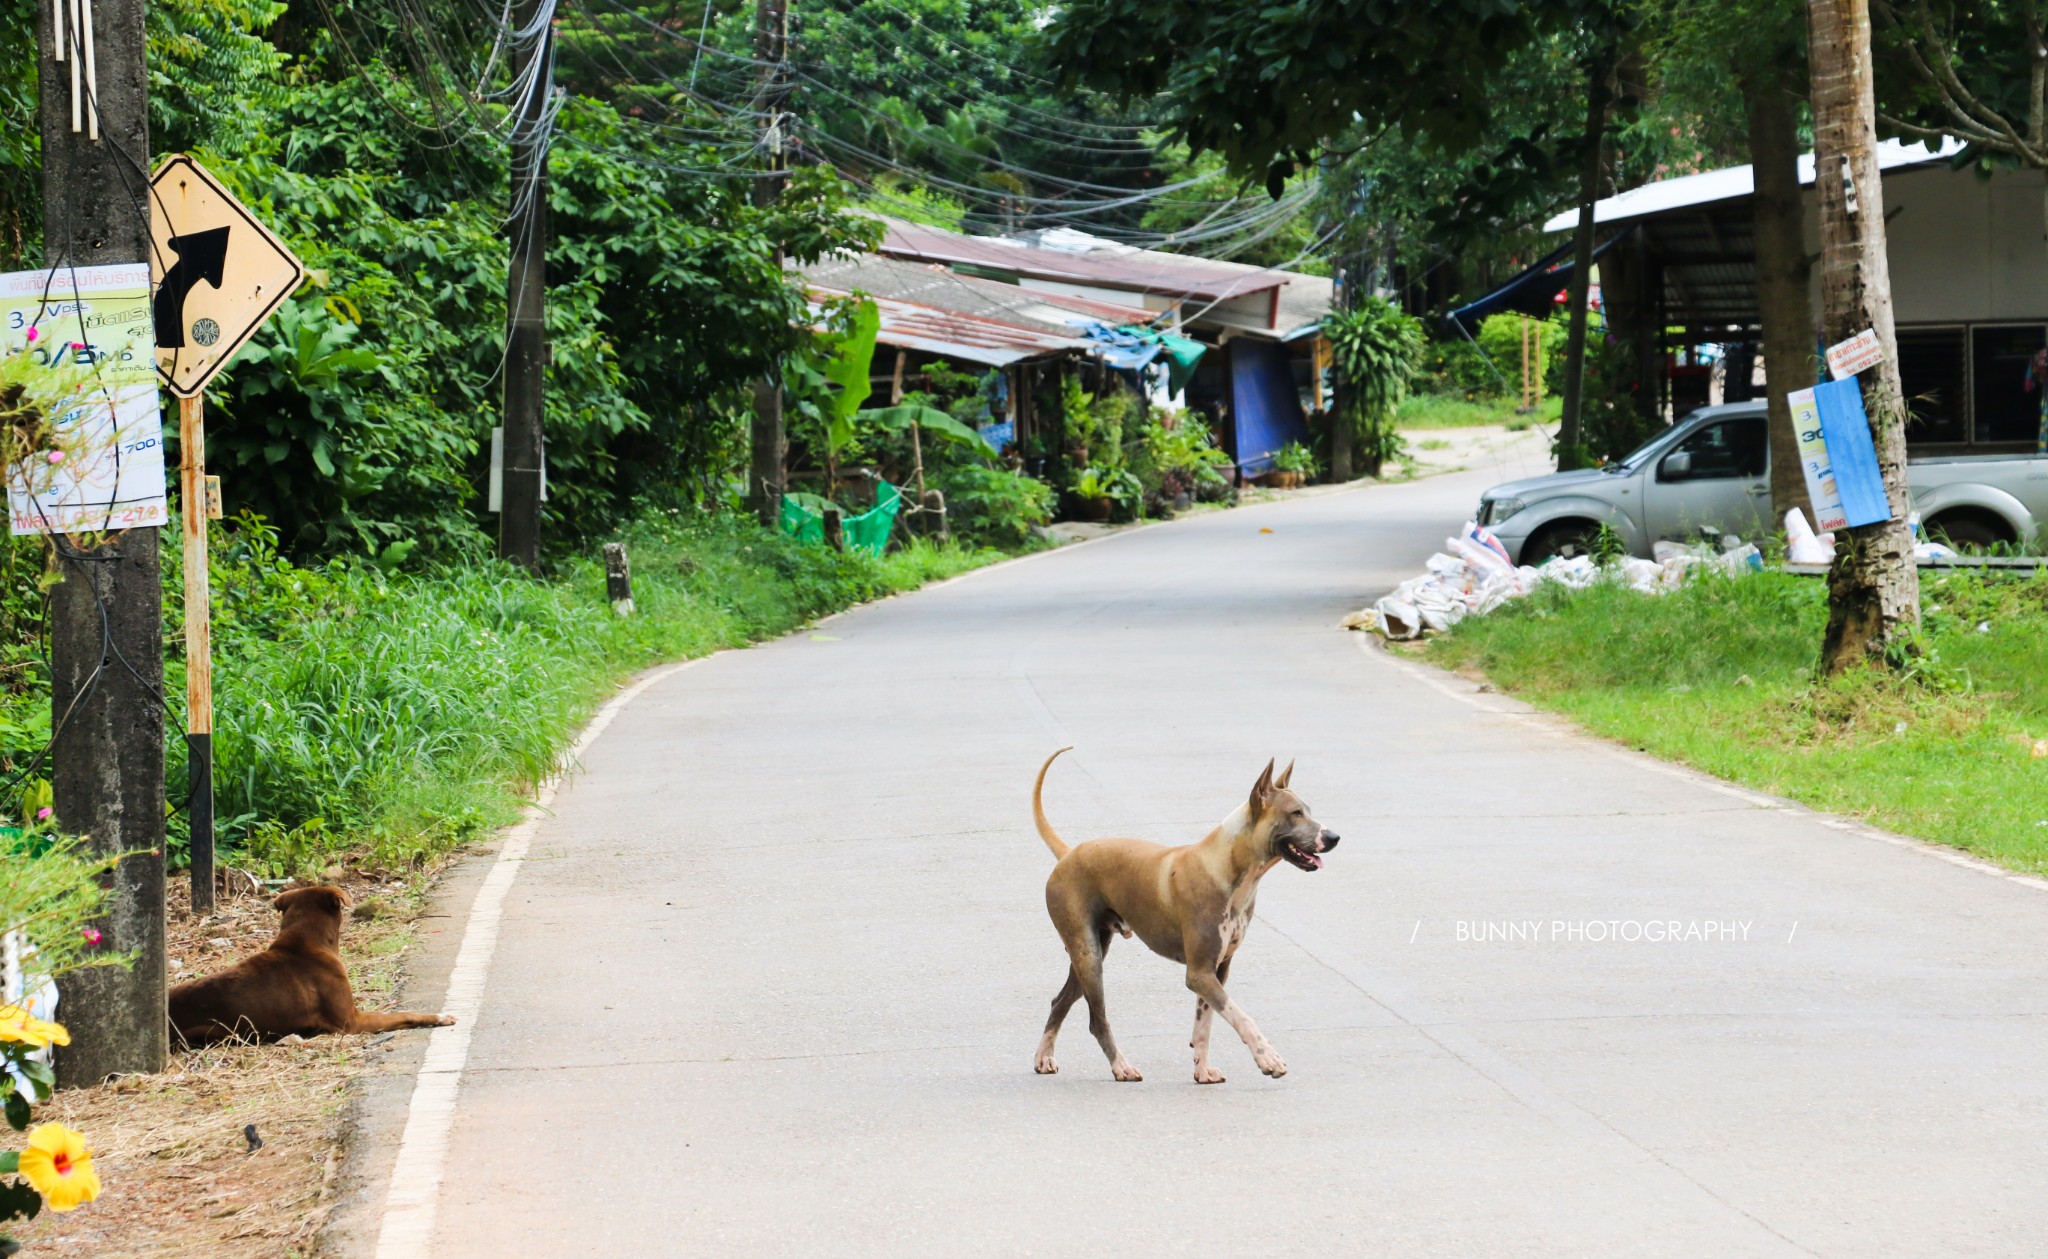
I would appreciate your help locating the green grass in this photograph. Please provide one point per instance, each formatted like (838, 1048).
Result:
(1719, 675)
(1429, 410)
(388, 716)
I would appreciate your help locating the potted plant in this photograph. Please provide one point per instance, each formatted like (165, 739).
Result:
(1293, 464)
(1100, 492)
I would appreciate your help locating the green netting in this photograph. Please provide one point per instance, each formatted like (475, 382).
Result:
(803, 518)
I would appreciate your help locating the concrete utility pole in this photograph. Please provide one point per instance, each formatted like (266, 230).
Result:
(106, 616)
(1874, 586)
(526, 335)
(771, 44)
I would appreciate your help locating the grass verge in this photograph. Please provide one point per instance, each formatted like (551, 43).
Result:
(1429, 410)
(1719, 675)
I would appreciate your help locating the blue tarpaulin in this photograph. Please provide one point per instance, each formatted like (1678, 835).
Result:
(1264, 402)
(1534, 292)
(1131, 347)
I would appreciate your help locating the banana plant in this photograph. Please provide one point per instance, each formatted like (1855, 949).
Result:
(850, 370)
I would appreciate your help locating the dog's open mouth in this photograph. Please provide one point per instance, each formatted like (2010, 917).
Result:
(1300, 858)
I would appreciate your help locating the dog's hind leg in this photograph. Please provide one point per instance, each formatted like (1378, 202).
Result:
(1088, 969)
(365, 1022)
(1070, 992)
(1204, 1015)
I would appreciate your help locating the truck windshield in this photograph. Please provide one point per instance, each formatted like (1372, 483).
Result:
(1634, 458)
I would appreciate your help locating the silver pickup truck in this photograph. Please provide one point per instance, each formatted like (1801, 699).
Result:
(1712, 470)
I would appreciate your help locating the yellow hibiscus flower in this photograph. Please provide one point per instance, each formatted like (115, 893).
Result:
(59, 1166)
(18, 1025)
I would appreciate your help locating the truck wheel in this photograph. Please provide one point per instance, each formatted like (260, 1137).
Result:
(1969, 531)
(1566, 538)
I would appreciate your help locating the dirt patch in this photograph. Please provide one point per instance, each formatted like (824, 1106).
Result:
(179, 1172)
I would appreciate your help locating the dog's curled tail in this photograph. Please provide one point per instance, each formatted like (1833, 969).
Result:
(1045, 831)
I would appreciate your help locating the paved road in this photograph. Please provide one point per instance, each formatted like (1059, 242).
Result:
(770, 980)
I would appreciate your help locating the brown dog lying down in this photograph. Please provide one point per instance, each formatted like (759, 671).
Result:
(297, 985)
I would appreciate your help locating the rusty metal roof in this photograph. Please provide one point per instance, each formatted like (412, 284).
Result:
(1137, 271)
(929, 284)
(962, 337)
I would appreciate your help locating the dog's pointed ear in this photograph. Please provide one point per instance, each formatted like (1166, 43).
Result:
(1280, 783)
(1262, 790)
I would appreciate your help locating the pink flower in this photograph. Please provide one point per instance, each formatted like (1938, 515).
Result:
(91, 934)
(56, 456)
(32, 334)
(78, 345)
(43, 813)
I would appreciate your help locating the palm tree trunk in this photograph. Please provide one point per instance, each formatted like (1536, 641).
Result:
(1782, 271)
(1340, 445)
(1873, 588)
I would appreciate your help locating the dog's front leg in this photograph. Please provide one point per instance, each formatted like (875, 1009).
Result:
(1204, 1015)
(1203, 982)
(1204, 1073)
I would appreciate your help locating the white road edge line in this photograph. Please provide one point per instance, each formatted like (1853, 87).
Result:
(414, 1191)
(1437, 680)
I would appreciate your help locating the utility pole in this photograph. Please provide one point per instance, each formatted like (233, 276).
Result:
(1874, 585)
(526, 334)
(106, 615)
(771, 45)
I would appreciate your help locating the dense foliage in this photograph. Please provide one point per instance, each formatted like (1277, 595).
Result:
(932, 104)
(358, 421)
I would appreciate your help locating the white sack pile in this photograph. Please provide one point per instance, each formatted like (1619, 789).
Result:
(1473, 575)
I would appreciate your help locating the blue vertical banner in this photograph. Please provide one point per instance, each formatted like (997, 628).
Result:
(1852, 456)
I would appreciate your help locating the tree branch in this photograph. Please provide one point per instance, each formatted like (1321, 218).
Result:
(1959, 98)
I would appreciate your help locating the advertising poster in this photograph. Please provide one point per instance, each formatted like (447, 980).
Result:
(1813, 461)
(107, 471)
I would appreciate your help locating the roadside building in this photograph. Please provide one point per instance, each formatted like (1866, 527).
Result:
(1969, 270)
(1258, 376)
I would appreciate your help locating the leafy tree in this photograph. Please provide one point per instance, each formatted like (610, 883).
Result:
(911, 96)
(1265, 84)
(1974, 71)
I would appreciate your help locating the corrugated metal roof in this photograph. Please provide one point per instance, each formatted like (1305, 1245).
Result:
(962, 337)
(933, 285)
(1138, 271)
(1728, 184)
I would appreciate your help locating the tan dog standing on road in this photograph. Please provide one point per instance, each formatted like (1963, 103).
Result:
(1191, 904)
(297, 985)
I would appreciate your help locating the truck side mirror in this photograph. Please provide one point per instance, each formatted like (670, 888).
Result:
(1677, 466)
